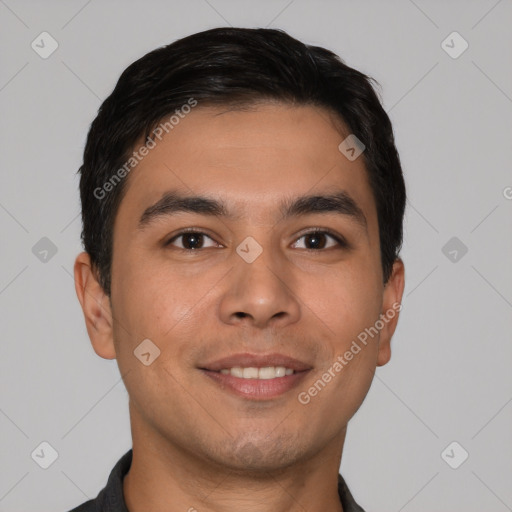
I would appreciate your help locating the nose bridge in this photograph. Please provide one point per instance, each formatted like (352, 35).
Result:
(260, 289)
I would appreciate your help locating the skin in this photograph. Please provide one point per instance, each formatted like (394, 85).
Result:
(194, 444)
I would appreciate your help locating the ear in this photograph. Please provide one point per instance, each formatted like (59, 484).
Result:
(391, 306)
(96, 307)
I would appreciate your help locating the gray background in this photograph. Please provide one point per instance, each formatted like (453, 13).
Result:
(449, 378)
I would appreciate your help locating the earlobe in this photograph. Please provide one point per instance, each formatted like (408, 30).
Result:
(95, 306)
(391, 306)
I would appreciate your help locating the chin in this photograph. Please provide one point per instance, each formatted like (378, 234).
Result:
(253, 457)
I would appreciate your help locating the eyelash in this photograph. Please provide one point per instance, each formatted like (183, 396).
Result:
(315, 231)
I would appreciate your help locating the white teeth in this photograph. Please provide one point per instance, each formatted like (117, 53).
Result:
(237, 372)
(269, 372)
(280, 371)
(250, 373)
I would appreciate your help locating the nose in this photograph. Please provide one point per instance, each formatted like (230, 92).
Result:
(261, 294)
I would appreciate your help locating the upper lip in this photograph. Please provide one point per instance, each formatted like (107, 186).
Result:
(247, 360)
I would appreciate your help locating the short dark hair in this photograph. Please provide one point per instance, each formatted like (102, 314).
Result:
(233, 67)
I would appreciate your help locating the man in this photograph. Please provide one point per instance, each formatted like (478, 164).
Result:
(242, 203)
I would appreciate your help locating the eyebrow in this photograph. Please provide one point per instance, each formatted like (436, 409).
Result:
(172, 202)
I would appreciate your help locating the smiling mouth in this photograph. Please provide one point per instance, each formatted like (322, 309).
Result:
(256, 384)
(251, 372)
(256, 376)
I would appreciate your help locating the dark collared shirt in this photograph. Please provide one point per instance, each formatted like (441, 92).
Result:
(111, 499)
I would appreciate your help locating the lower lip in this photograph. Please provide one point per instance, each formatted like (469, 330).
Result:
(257, 389)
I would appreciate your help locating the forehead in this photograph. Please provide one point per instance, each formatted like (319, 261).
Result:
(250, 158)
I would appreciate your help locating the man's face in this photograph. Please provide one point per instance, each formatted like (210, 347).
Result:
(200, 298)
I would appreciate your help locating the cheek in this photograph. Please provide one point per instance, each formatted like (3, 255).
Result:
(156, 304)
(347, 300)
(164, 302)
(152, 300)
(348, 304)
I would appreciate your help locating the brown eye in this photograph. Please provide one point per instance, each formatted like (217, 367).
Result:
(320, 239)
(191, 240)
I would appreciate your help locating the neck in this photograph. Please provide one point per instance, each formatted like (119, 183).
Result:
(167, 477)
